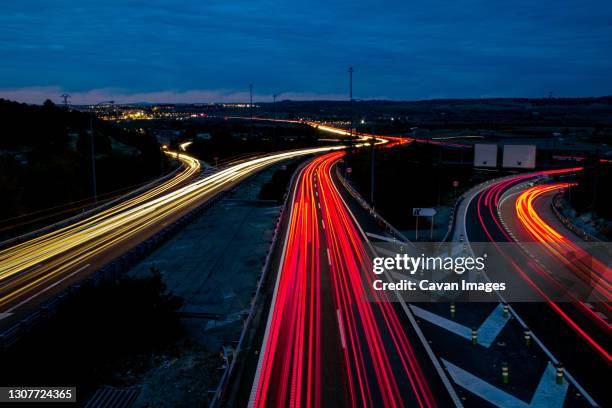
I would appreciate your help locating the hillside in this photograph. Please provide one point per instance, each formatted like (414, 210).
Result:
(45, 160)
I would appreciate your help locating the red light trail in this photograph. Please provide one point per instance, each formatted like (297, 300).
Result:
(322, 298)
(489, 199)
(588, 268)
(558, 244)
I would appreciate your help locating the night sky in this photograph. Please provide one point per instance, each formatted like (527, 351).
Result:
(210, 50)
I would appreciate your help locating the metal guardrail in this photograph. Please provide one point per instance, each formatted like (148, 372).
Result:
(390, 228)
(451, 220)
(109, 272)
(78, 217)
(222, 388)
(364, 204)
(119, 266)
(569, 224)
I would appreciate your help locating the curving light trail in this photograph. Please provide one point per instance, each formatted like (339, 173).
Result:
(30, 267)
(487, 205)
(321, 297)
(595, 273)
(585, 266)
(21, 253)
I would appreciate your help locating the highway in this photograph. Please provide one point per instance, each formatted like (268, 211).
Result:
(39, 268)
(325, 256)
(561, 246)
(343, 132)
(325, 342)
(505, 211)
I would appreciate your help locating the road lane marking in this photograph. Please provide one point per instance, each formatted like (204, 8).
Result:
(445, 380)
(23, 302)
(487, 332)
(546, 351)
(381, 237)
(341, 328)
(5, 315)
(549, 394)
(264, 343)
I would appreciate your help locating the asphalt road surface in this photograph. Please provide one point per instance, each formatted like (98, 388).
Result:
(568, 329)
(325, 343)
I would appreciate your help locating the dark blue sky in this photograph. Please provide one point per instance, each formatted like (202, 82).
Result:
(206, 50)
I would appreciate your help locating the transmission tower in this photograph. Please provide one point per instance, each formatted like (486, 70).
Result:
(350, 71)
(65, 97)
(251, 107)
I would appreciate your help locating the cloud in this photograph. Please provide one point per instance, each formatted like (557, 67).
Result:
(404, 50)
(37, 95)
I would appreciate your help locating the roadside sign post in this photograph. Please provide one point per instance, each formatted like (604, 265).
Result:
(426, 212)
(432, 228)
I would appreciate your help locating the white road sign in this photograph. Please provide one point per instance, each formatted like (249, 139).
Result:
(423, 212)
(485, 155)
(520, 156)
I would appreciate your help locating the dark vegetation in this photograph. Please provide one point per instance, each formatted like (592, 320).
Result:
(422, 175)
(414, 175)
(593, 192)
(218, 140)
(495, 113)
(45, 158)
(96, 331)
(592, 196)
(276, 187)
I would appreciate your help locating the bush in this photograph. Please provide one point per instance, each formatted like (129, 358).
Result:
(94, 330)
(407, 177)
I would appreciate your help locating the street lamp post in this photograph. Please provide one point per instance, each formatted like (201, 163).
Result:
(274, 116)
(93, 148)
(274, 104)
(373, 143)
(352, 125)
(251, 107)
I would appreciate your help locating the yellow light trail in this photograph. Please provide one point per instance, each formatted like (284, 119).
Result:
(26, 268)
(192, 168)
(185, 145)
(594, 272)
